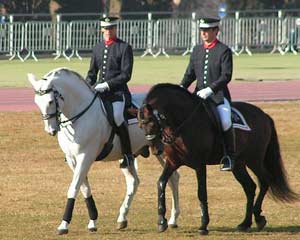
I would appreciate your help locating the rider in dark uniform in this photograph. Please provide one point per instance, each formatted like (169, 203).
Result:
(112, 59)
(211, 65)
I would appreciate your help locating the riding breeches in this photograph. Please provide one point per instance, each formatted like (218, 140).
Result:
(118, 110)
(224, 111)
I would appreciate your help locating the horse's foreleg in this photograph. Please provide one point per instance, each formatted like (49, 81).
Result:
(80, 169)
(132, 183)
(202, 195)
(90, 204)
(161, 187)
(173, 184)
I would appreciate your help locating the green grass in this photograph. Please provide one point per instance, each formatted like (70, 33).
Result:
(149, 70)
(267, 67)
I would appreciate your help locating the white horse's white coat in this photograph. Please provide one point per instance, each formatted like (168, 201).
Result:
(82, 140)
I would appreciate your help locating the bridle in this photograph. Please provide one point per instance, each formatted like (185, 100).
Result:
(164, 132)
(160, 122)
(57, 113)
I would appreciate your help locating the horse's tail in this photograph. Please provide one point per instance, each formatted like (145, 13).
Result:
(275, 171)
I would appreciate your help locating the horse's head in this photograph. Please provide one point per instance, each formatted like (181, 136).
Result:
(46, 98)
(150, 121)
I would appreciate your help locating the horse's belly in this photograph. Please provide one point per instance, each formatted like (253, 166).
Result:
(137, 139)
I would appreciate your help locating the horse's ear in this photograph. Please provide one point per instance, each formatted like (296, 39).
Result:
(32, 79)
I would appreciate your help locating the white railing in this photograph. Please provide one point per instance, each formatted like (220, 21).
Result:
(160, 36)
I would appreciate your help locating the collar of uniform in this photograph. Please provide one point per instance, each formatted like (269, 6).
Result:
(110, 41)
(211, 45)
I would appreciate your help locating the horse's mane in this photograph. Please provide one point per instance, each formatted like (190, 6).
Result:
(67, 71)
(162, 87)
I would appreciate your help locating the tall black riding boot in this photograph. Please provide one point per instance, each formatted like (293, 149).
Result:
(227, 162)
(125, 146)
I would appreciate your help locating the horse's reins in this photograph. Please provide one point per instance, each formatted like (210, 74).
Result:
(188, 118)
(76, 117)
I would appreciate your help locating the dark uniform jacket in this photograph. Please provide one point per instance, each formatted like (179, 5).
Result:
(114, 64)
(212, 68)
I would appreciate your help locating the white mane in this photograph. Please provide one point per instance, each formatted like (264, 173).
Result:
(52, 74)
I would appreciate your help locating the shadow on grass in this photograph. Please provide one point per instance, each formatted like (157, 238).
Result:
(270, 68)
(283, 229)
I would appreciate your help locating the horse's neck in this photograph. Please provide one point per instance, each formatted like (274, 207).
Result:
(76, 95)
(180, 109)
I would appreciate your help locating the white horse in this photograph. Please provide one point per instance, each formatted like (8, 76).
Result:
(72, 110)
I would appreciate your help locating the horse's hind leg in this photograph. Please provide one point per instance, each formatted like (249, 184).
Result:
(175, 211)
(132, 183)
(242, 176)
(173, 183)
(259, 219)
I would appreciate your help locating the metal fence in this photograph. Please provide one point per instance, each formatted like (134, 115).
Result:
(155, 37)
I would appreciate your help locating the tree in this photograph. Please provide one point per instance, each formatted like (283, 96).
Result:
(115, 7)
(79, 6)
(27, 6)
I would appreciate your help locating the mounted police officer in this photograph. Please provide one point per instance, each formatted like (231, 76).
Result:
(211, 65)
(112, 59)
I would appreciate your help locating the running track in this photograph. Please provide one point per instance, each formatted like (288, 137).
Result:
(21, 99)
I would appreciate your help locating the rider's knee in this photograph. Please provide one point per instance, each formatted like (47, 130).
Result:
(226, 124)
(119, 118)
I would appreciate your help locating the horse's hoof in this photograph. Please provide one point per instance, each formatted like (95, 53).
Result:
(162, 227)
(92, 230)
(174, 225)
(243, 228)
(261, 223)
(122, 225)
(203, 232)
(62, 231)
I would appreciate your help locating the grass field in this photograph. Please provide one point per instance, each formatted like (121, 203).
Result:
(148, 70)
(34, 181)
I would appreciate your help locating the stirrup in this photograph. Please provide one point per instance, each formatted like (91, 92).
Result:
(127, 161)
(226, 164)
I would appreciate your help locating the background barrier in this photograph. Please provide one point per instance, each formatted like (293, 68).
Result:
(155, 37)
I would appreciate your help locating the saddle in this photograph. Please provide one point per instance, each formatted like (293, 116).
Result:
(238, 120)
(130, 114)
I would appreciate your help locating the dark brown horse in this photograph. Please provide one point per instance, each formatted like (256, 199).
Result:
(179, 120)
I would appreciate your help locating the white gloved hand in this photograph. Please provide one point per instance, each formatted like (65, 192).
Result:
(205, 92)
(102, 87)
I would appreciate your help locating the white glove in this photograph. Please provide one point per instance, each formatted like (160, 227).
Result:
(205, 92)
(102, 87)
